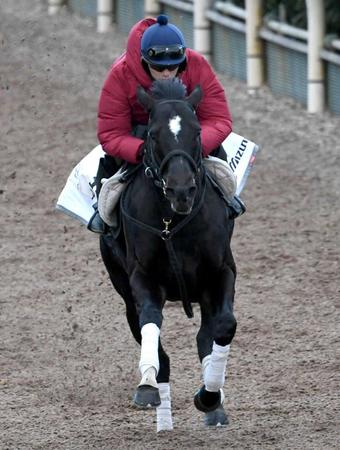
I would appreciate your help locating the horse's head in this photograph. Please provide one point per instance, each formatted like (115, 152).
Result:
(173, 146)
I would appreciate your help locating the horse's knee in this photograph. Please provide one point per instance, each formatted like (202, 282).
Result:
(225, 329)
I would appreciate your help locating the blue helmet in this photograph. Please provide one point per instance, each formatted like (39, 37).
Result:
(163, 43)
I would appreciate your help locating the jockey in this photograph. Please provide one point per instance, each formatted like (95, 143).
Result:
(156, 50)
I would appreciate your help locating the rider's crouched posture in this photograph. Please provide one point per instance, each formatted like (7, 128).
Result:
(155, 51)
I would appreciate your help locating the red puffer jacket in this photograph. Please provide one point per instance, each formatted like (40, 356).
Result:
(119, 109)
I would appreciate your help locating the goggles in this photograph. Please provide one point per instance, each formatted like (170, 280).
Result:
(162, 52)
(161, 68)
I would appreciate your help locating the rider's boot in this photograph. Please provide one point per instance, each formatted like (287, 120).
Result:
(236, 207)
(106, 168)
(96, 223)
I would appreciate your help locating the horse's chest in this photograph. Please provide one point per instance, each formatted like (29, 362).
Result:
(176, 260)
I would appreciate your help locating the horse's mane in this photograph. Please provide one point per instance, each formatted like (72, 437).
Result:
(172, 89)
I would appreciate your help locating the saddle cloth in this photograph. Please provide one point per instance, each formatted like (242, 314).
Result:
(78, 196)
(112, 188)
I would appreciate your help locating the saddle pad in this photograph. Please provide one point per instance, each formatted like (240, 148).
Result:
(78, 197)
(222, 174)
(109, 196)
(112, 188)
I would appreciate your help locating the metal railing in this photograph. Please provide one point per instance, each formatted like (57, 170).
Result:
(245, 40)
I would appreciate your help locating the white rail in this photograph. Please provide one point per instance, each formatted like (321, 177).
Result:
(231, 10)
(287, 30)
(336, 44)
(177, 4)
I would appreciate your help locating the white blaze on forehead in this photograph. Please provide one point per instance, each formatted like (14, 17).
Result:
(175, 126)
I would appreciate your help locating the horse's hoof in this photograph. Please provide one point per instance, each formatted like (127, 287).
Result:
(206, 401)
(217, 418)
(147, 397)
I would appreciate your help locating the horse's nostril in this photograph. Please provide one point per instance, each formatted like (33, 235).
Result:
(192, 191)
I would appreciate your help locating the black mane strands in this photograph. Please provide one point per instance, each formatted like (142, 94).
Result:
(172, 89)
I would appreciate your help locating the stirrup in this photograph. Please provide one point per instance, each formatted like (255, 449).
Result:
(236, 207)
(96, 223)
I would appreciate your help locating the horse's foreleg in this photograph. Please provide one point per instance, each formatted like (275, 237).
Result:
(149, 304)
(147, 394)
(214, 338)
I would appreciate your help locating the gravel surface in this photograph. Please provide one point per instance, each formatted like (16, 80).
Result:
(68, 363)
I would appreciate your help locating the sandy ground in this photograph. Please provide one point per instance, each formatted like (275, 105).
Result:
(68, 364)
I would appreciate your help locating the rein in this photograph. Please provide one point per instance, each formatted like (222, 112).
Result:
(154, 169)
(166, 235)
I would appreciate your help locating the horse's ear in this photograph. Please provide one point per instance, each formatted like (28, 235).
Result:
(144, 98)
(195, 97)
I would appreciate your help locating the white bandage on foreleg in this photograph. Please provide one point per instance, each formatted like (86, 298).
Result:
(214, 367)
(149, 348)
(164, 416)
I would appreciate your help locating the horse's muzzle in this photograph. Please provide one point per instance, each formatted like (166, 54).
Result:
(180, 209)
(181, 199)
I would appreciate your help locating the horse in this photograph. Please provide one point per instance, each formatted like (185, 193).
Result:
(174, 245)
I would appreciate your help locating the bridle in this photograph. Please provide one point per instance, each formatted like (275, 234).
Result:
(155, 170)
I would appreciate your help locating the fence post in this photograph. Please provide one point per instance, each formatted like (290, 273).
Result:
(151, 8)
(104, 15)
(54, 6)
(202, 39)
(255, 66)
(316, 33)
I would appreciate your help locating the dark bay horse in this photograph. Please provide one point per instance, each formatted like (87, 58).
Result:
(174, 245)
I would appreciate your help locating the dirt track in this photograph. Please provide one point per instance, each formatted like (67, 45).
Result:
(68, 364)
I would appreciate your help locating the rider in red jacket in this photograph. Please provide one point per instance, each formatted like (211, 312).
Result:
(155, 50)
(119, 109)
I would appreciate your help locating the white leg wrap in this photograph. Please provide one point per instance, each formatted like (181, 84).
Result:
(149, 348)
(164, 416)
(214, 367)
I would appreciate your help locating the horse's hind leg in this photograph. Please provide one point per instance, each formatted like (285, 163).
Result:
(215, 335)
(164, 414)
(120, 282)
(159, 394)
